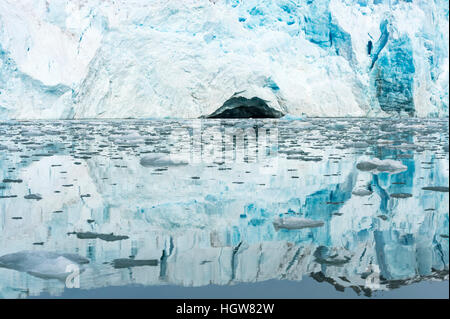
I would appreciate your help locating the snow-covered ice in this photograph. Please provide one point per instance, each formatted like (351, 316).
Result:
(186, 58)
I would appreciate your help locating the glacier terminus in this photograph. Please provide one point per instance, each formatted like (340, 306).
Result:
(185, 59)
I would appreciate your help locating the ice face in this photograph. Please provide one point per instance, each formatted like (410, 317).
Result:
(185, 59)
(297, 206)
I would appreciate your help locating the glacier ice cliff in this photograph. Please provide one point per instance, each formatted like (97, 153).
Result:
(112, 59)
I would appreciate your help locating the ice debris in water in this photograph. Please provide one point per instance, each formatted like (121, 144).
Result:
(33, 196)
(105, 237)
(158, 159)
(133, 138)
(362, 191)
(378, 166)
(443, 189)
(295, 223)
(401, 195)
(128, 263)
(43, 264)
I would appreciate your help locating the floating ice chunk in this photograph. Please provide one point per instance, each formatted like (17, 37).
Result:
(401, 195)
(9, 180)
(31, 132)
(33, 196)
(443, 189)
(384, 142)
(357, 145)
(132, 138)
(366, 166)
(160, 159)
(377, 166)
(391, 166)
(404, 146)
(43, 264)
(105, 237)
(51, 132)
(362, 191)
(295, 223)
(337, 126)
(128, 263)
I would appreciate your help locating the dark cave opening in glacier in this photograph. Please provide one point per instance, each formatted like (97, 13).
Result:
(369, 47)
(243, 108)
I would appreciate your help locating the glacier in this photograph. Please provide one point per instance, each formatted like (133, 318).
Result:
(185, 59)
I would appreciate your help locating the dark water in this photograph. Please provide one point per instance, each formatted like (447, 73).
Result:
(308, 288)
(332, 208)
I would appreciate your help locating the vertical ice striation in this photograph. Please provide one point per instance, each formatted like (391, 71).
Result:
(61, 59)
(393, 73)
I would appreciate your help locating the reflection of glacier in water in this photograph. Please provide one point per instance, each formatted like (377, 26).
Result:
(146, 208)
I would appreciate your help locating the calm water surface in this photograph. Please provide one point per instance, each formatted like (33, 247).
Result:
(217, 208)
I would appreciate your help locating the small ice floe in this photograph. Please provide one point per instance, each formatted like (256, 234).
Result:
(10, 180)
(42, 264)
(292, 222)
(31, 132)
(338, 126)
(305, 158)
(105, 237)
(14, 149)
(358, 144)
(404, 146)
(401, 195)
(161, 159)
(384, 142)
(33, 196)
(378, 166)
(128, 263)
(443, 189)
(51, 132)
(405, 156)
(362, 191)
(133, 138)
(294, 151)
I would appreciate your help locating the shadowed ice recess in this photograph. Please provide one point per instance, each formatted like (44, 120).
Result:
(359, 204)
